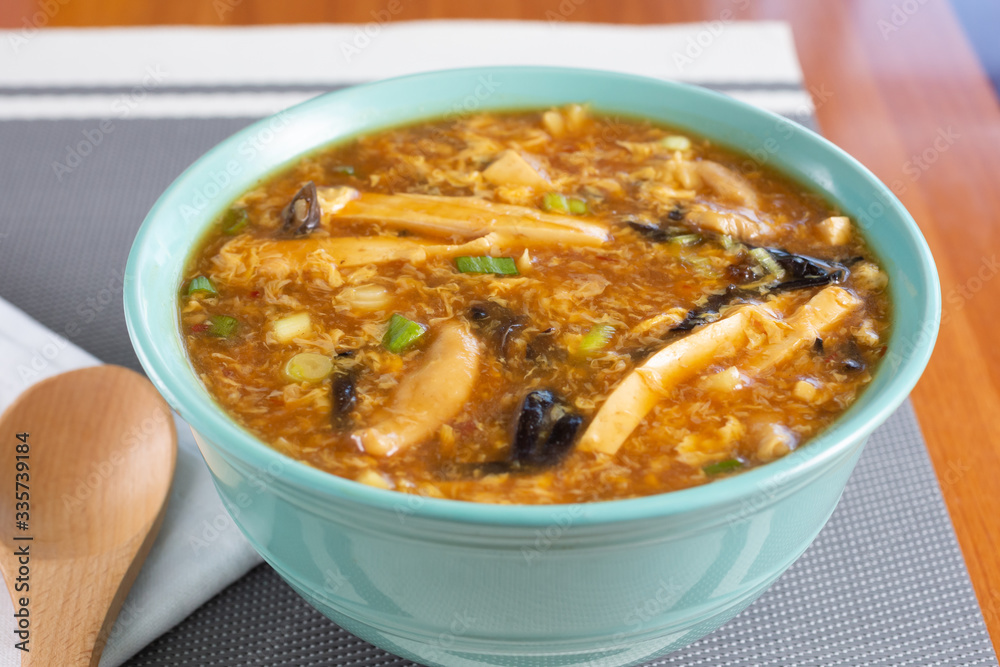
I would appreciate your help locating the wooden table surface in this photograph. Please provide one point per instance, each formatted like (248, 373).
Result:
(904, 93)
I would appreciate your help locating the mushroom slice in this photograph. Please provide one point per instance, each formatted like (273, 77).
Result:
(429, 397)
(471, 217)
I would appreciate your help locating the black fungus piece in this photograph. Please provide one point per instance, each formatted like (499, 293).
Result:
(344, 396)
(853, 365)
(545, 433)
(531, 424)
(499, 324)
(709, 311)
(652, 232)
(806, 271)
(303, 213)
(676, 214)
(560, 441)
(660, 233)
(818, 346)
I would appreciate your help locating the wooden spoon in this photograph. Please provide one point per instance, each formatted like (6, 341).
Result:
(100, 455)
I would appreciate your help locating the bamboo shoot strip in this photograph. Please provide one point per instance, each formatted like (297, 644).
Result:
(815, 320)
(428, 397)
(470, 217)
(644, 387)
(349, 251)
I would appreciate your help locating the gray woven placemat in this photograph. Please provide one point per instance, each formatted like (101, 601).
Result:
(884, 584)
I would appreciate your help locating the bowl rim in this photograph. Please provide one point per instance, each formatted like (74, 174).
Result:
(239, 445)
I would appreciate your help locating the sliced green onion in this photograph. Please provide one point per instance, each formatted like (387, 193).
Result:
(234, 221)
(676, 142)
(309, 367)
(402, 333)
(504, 266)
(201, 284)
(727, 241)
(767, 262)
(685, 239)
(222, 326)
(577, 206)
(728, 465)
(553, 202)
(595, 340)
(343, 169)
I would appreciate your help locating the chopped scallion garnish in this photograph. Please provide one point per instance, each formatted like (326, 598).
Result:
(402, 333)
(577, 206)
(202, 285)
(343, 169)
(767, 262)
(222, 326)
(727, 242)
(502, 265)
(729, 465)
(685, 239)
(554, 202)
(595, 340)
(234, 221)
(309, 367)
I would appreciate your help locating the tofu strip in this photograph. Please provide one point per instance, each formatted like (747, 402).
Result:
(361, 250)
(468, 217)
(647, 385)
(650, 383)
(820, 316)
(430, 396)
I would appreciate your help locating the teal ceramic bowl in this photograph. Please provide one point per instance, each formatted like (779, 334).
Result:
(456, 583)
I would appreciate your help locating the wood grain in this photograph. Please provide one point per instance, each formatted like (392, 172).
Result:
(894, 83)
(99, 460)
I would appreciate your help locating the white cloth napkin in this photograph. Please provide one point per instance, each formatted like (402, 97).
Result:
(199, 551)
